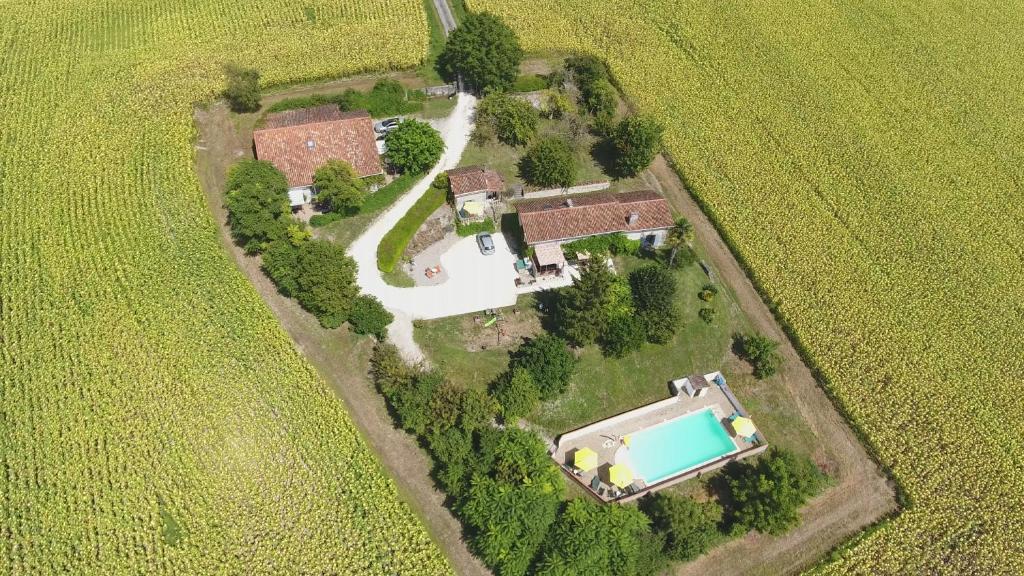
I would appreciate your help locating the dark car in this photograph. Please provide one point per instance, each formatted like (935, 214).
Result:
(486, 243)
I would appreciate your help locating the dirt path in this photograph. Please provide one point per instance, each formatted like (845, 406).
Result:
(861, 495)
(339, 358)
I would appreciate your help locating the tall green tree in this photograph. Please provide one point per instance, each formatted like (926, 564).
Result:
(339, 188)
(326, 281)
(680, 237)
(517, 394)
(590, 538)
(767, 495)
(654, 289)
(414, 146)
(762, 354)
(484, 51)
(257, 204)
(512, 120)
(549, 361)
(581, 307)
(690, 527)
(243, 88)
(636, 140)
(549, 162)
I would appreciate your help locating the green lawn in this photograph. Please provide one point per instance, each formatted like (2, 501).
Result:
(606, 386)
(426, 70)
(346, 230)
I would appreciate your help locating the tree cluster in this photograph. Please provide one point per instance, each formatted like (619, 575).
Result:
(483, 51)
(317, 273)
(766, 495)
(257, 203)
(512, 120)
(597, 93)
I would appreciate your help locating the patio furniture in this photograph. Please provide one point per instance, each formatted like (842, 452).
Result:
(595, 483)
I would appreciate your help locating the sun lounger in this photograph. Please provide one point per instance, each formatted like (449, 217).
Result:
(595, 483)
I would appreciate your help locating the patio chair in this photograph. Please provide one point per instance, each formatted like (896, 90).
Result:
(595, 483)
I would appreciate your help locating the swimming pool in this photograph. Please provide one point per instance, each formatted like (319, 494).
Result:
(673, 447)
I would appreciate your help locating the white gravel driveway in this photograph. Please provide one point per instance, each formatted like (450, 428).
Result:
(475, 282)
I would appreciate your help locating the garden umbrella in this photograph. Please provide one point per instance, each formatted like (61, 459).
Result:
(743, 426)
(473, 208)
(620, 475)
(585, 459)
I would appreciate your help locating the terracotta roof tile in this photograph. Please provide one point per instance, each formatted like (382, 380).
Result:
(298, 142)
(474, 179)
(567, 218)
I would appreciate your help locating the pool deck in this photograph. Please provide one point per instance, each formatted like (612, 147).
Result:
(605, 438)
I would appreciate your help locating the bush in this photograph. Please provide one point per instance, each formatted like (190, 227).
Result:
(591, 538)
(339, 188)
(549, 162)
(549, 362)
(636, 140)
(767, 495)
(414, 146)
(707, 292)
(707, 315)
(601, 246)
(391, 247)
(325, 281)
(597, 94)
(557, 105)
(281, 265)
(387, 195)
(320, 220)
(257, 204)
(387, 98)
(484, 51)
(761, 352)
(474, 228)
(368, 316)
(529, 83)
(517, 394)
(690, 527)
(622, 334)
(243, 88)
(511, 119)
(654, 290)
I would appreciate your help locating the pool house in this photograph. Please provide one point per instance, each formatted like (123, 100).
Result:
(699, 428)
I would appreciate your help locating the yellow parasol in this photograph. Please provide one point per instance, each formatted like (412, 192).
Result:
(620, 475)
(743, 426)
(473, 208)
(585, 459)
(626, 439)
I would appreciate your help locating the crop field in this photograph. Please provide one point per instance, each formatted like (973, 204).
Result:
(865, 161)
(154, 418)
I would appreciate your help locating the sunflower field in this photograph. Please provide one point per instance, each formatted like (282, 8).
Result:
(865, 161)
(154, 417)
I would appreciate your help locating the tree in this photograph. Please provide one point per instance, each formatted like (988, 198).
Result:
(680, 237)
(339, 188)
(622, 334)
(257, 203)
(549, 162)
(413, 403)
(478, 409)
(512, 120)
(390, 373)
(654, 289)
(517, 394)
(767, 495)
(243, 88)
(590, 538)
(484, 51)
(597, 94)
(325, 281)
(690, 527)
(580, 307)
(281, 265)
(549, 362)
(761, 352)
(368, 316)
(414, 146)
(636, 140)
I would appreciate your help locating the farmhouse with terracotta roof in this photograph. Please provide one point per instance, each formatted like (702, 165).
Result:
(640, 215)
(297, 142)
(472, 187)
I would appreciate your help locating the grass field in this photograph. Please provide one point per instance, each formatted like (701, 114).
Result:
(155, 418)
(864, 161)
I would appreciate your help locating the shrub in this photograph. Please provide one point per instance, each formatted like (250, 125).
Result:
(390, 373)
(474, 228)
(511, 119)
(243, 88)
(707, 315)
(339, 188)
(636, 140)
(484, 51)
(557, 105)
(622, 334)
(707, 292)
(767, 495)
(391, 247)
(591, 538)
(549, 362)
(529, 83)
(517, 394)
(761, 352)
(549, 162)
(690, 527)
(281, 265)
(414, 146)
(597, 94)
(654, 289)
(368, 316)
(320, 220)
(257, 204)
(387, 195)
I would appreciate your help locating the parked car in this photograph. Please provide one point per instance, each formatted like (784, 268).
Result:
(486, 243)
(387, 125)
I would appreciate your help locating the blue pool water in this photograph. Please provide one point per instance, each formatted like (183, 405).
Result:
(678, 445)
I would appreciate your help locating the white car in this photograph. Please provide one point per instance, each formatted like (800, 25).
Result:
(387, 125)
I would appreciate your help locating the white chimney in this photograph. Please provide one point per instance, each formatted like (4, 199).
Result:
(633, 217)
(568, 202)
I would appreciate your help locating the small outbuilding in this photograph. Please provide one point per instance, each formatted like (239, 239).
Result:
(474, 184)
(695, 386)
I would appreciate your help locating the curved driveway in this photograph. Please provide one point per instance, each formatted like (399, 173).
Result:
(475, 282)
